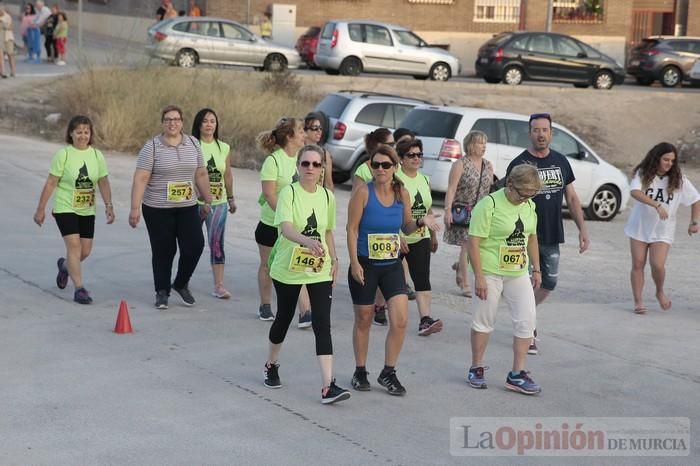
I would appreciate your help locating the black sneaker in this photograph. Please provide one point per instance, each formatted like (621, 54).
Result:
(359, 381)
(185, 295)
(410, 292)
(391, 383)
(428, 326)
(380, 315)
(82, 296)
(162, 299)
(333, 393)
(265, 312)
(62, 277)
(272, 377)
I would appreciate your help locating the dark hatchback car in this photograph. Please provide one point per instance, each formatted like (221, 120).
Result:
(668, 59)
(513, 57)
(306, 45)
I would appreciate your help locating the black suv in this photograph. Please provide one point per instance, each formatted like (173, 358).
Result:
(668, 59)
(512, 57)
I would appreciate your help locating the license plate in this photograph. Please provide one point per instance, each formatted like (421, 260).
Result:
(483, 60)
(634, 63)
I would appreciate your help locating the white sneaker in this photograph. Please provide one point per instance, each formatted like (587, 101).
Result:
(61, 63)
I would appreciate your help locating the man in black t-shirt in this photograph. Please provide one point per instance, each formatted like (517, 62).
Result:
(557, 183)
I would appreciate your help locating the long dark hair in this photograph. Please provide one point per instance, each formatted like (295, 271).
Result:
(197, 124)
(396, 183)
(375, 139)
(648, 167)
(74, 122)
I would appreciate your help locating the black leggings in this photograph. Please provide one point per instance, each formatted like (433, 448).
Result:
(418, 260)
(168, 230)
(320, 295)
(50, 45)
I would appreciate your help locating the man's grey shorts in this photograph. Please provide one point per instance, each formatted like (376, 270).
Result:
(549, 264)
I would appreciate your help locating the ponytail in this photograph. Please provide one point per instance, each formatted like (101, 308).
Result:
(397, 186)
(266, 141)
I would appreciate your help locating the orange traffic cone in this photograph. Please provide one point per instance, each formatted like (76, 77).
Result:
(123, 321)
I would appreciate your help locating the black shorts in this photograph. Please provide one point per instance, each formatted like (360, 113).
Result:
(265, 235)
(388, 278)
(418, 259)
(74, 224)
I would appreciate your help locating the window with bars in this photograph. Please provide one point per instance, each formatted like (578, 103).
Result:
(578, 11)
(433, 2)
(496, 11)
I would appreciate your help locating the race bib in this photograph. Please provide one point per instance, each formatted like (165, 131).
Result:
(180, 191)
(304, 261)
(512, 258)
(217, 190)
(383, 246)
(83, 198)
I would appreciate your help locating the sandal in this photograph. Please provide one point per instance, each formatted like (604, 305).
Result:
(640, 310)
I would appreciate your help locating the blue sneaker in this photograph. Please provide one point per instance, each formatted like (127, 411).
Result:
(81, 296)
(476, 378)
(62, 277)
(522, 383)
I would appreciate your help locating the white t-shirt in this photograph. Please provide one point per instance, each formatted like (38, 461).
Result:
(644, 223)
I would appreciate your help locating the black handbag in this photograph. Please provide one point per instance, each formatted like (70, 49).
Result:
(462, 213)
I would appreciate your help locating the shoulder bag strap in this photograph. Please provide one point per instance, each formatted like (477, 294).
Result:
(478, 189)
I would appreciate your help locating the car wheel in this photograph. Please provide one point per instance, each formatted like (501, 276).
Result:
(331, 72)
(513, 75)
(645, 81)
(186, 58)
(671, 76)
(340, 177)
(351, 66)
(581, 85)
(492, 80)
(440, 72)
(275, 62)
(605, 204)
(603, 80)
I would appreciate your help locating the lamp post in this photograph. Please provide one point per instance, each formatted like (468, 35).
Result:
(80, 27)
(548, 22)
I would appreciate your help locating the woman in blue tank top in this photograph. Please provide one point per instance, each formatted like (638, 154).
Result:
(378, 211)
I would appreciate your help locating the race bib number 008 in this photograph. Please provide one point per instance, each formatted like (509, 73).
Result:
(217, 190)
(383, 246)
(304, 261)
(83, 198)
(180, 191)
(512, 258)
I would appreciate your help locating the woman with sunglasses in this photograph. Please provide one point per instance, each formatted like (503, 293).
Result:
(217, 157)
(502, 245)
(313, 130)
(418, 246)
(469, 181)
(377, 213)
(374, 139)
(278, 170)
(305, 256)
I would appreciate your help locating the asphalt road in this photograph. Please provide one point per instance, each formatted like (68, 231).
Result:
(186, 387)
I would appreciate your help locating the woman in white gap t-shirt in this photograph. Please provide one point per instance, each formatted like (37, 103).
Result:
(658, 187)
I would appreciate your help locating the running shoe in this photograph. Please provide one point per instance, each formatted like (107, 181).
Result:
(360, 382)
(185, 295)
(410, 292)
(305, 320)
(522, 383)
(265, 312)
(82, 296)
(391, 383)
(272, 377)
(162, 299)
(476, 378)
(380, 315)
(533, 347)
(428, 326)
(221, 293)
(62, 277)
(333, 393)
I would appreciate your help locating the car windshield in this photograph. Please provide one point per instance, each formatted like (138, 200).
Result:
(408, 38)
(429, 123)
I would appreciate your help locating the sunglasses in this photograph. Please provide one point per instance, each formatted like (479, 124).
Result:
(383, 165)
(307, 164)
(537, 116)
(313, 128)
(521, 195)
(413, 155)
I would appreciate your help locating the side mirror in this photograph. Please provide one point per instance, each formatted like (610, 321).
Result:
(582, 55)
(582, 155)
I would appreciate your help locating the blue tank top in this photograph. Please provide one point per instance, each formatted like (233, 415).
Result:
(378, 219)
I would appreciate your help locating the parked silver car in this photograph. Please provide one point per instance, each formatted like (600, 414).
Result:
(353, 46)
(189, 41)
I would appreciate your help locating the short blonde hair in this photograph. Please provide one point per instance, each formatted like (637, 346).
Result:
(471, 138)
(525, 177)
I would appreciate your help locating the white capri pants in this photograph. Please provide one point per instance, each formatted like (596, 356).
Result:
(520, 297)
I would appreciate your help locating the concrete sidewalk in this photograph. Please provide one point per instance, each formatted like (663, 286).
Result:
(186, 388)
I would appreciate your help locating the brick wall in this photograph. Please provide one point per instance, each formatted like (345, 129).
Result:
(694, 18)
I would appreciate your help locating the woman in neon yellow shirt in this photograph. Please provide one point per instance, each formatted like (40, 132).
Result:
(74, 172)
(217, 158)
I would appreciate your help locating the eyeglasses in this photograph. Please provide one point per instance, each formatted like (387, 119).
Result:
(171, 120)
(313, 128)
(413, 155)
(537, 116)
(522, 196)
(307, 164)
(384, 165)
